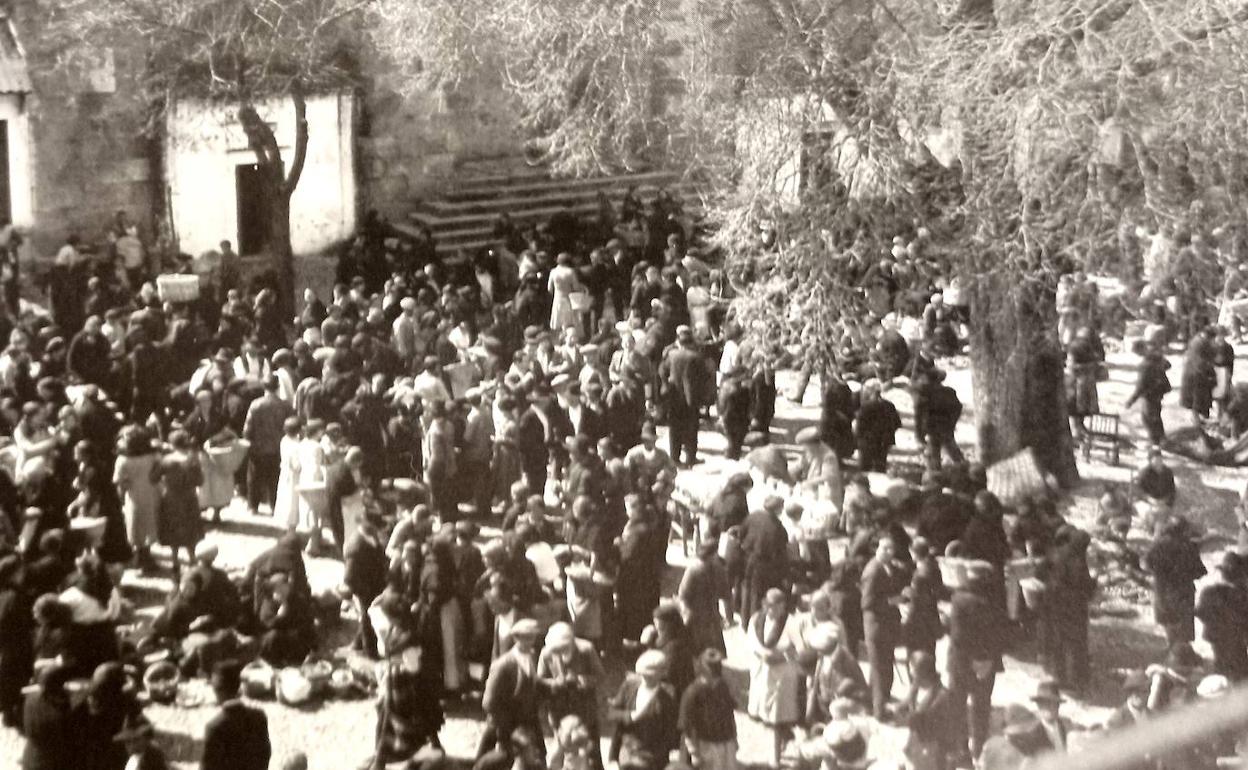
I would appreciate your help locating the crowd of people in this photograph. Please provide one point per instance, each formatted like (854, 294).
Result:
(476, 439)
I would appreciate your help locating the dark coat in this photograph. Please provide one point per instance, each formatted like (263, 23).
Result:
(1176, 566)
(685, 381)
(366, 566)
(46, 725)
(654, 732)
(510, 698)
(923, 627)
(237, 738)
(976, 633)
(880, 618)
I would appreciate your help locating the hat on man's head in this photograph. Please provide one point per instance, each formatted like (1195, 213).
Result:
(808, 435)
(532, 333)
(1047, 692)
(651, 662)
(684, 333)
(525, 628)
(205, 551)
(560, 635)
(466, 528)
(648, 431)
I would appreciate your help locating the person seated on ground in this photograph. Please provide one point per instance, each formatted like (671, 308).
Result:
(286, 623)
(285, 558)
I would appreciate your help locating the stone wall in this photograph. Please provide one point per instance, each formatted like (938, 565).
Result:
(413, 145)
(89, 155)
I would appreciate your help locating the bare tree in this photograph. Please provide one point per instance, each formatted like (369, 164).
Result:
(236, 52)
(1010, 140)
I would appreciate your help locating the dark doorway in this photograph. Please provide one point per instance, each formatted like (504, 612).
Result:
(253, 210)
(6, 196)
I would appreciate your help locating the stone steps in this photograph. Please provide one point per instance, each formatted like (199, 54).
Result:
(463, 218)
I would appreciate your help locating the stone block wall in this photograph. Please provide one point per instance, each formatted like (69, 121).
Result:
(89, 155)
(413, 145)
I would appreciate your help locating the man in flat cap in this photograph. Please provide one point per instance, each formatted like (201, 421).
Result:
(510, 698)
(237, 738)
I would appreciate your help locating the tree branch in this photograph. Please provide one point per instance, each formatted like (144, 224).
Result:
(301, 137)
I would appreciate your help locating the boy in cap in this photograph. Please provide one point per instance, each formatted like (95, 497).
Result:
(510, 698)
(706, 721)
(237, 738)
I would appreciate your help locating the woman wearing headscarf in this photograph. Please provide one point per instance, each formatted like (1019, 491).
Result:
(775, 674)
(180, 475)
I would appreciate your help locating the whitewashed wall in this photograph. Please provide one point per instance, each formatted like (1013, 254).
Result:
(206, 143)
(21, 183)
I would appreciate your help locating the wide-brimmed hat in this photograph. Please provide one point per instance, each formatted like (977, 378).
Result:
(808, 435)
(1047, 692)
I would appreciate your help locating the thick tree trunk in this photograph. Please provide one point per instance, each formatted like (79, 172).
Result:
(1017, 374)
(280, 186)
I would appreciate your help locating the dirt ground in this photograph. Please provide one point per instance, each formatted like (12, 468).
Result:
(339, 735)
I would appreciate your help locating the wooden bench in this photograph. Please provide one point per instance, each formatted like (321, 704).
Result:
(1102, 429)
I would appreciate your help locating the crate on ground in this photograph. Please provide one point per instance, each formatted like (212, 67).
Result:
(177, 288)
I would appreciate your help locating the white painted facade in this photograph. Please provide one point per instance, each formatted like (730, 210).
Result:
(21, 159)
(205, 144)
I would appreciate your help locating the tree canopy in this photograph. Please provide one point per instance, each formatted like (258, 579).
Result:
(1009, 140)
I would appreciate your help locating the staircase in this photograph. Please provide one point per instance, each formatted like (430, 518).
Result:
(463, 218)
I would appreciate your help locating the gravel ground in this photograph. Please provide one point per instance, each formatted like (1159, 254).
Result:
(339, 735)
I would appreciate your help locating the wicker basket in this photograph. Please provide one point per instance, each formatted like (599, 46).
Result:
(581, 301)
(178, 288)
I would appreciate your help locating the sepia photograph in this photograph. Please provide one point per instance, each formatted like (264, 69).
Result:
(623, 384)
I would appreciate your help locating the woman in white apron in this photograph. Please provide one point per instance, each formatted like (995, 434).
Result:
(311, 503)
(775, 674)
(286, 504)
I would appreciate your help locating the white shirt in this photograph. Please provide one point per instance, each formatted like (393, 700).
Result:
(645, 694)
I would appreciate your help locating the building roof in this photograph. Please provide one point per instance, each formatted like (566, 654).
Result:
(14, 75)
